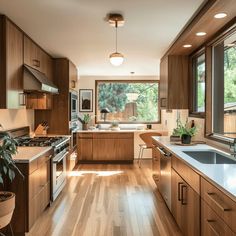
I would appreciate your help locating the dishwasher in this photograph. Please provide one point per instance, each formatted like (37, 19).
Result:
(165, 175)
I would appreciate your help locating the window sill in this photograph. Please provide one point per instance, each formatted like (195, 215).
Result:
(197, 115)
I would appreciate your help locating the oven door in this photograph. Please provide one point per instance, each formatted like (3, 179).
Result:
(73, 106)
(59, 173)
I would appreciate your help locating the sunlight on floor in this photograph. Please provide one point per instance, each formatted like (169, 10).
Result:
(98, 173)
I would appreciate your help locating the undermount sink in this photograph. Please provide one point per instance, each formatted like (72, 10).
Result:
(210, 157)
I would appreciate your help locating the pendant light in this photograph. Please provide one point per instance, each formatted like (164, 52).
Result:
(116, 20)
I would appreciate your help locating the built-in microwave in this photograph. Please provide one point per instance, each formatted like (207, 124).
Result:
(73, 105)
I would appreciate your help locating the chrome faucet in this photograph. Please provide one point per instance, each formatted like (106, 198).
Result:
(232, 147)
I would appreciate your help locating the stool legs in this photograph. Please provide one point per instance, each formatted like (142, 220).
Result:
(141, 157)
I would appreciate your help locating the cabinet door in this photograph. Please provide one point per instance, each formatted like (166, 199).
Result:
(185, 206)
(32, 56)
(73, 80)
(163, 82)
(85, 149)
(14, 62)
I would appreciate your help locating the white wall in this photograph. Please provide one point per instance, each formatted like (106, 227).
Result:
(16, 118)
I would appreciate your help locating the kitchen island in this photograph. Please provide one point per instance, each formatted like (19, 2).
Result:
(108, 146)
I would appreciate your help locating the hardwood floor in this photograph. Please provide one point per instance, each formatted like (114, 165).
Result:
(106, 200)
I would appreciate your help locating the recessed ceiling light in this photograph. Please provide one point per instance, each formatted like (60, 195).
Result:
(201, 33)
(220, 15)
(187, 46)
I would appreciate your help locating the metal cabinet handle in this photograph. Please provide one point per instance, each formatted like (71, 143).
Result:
(211, 225)
(184, 202)
(214, 198)
(163, 153)
(36, 62)
(179, 197)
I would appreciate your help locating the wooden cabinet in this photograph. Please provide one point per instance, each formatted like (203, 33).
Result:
(11, 61)
(32, 192)
(85, 147)
(220, 203)
(63, 72)
(105, 147)
(73, 76)
(212, 224)
(39, 189)
(39, 101)
(185, 205)
(174, 82)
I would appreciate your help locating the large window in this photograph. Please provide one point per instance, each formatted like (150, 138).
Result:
(224, 86)
(198, 84)
(127, 101)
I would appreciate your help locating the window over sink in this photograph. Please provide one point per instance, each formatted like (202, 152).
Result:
(224, 86)
(133, 101)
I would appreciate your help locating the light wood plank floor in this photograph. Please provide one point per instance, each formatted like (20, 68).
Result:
(108, 200)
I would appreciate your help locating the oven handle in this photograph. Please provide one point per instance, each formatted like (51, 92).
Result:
(60, 158)
(163, 152)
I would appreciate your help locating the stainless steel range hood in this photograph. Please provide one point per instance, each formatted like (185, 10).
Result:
(36, 81)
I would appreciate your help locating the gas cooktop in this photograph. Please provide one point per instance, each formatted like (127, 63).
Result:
(40, 141)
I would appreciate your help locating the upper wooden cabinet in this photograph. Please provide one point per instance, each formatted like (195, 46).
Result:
(11, 61)
(174, 82)
(73, 76)
(35, 57)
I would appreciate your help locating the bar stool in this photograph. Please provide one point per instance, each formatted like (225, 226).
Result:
(147, 139)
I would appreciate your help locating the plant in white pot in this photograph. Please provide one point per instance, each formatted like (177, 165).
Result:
(8, 147)
(85, 121)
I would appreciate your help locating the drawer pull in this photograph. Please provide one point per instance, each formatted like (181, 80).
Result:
(182, 194)
(36, 62)
(179, 197)
(215, 199)
(211, 225)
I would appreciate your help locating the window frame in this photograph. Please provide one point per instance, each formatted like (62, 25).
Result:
(128, 81)
(227, 30)
(193, 84)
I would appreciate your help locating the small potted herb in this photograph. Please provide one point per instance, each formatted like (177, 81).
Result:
(8, 167)
(85, 121)
(185, 131)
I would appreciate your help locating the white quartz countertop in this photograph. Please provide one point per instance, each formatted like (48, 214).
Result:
(28, 154)
(223, 175)
(121, 131)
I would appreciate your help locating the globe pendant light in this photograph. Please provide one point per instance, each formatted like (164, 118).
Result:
(116, 20)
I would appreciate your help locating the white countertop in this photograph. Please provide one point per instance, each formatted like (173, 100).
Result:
(223, 175)
(28, 154)
(121, 131)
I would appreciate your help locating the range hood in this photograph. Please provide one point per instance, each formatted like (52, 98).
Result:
(36, 81)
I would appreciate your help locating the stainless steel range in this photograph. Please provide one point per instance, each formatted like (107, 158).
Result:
(58, 166)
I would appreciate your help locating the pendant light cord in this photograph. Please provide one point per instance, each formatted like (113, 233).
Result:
(116, 34)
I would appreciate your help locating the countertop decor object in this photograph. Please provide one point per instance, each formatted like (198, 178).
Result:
(85, 121)
(8, 147)
(185, 131)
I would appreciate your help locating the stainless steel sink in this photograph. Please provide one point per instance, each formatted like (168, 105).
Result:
(210, 157)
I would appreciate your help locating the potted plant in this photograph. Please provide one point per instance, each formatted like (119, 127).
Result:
(115, 125)
(85, 120)
(185, 131)
(8, 148)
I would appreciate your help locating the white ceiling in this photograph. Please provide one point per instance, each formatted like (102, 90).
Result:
(76, 29)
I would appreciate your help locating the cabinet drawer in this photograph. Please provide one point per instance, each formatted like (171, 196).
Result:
(219, 202)
(114, 135)
(85, 135)
(212, 224)
(190, 176)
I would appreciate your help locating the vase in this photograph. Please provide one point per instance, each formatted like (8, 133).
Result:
(186, 139)
(7, 206)
(85, 126)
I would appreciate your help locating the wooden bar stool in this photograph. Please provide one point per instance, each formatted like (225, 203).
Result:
(147, 139)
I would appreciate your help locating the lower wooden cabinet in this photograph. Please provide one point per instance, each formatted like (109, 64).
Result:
(105, 147)
(212, 224)
(32, 192)
(185, 205)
